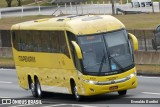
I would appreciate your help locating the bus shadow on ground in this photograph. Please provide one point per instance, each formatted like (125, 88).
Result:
(66, 98)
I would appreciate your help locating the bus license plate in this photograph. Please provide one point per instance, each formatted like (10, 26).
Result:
(113, 88)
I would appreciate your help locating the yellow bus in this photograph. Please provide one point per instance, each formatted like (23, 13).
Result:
(80, 55)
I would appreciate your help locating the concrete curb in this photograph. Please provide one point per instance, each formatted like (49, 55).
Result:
(149, 75)
(7, 68)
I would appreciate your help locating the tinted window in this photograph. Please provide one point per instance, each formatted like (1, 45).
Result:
(40, 41)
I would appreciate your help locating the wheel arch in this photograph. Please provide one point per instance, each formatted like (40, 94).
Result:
(72, 83)
(29, 81)
(35, 78)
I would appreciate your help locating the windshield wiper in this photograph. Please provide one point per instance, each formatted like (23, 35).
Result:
(115, 61)
(102, 62)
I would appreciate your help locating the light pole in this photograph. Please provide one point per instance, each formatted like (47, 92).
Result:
(113, 7)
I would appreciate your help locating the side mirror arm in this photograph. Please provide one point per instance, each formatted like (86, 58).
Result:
(77, 49)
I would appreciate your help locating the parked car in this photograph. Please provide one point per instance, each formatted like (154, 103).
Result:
(156, 39)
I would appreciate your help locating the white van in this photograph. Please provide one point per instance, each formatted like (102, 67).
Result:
(141, 3)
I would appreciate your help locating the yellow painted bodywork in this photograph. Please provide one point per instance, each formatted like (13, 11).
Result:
(56, 69)
(101, 89)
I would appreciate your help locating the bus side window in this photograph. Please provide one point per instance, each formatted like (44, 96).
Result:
(13, 36)
(63, 44)
(23, 36)
(35, 41)
(16, 40)
(54, 42)
(49, 46)
(44, 40)
(20, 43)
(71, 37)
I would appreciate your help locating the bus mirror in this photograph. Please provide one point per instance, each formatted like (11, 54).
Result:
(77, 49)
(135, 41)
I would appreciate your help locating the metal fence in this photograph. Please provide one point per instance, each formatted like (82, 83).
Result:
(5, 38)
(145, 55)
(144, 38)
(69, 8)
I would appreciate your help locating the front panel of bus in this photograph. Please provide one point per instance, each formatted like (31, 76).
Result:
(107, 62)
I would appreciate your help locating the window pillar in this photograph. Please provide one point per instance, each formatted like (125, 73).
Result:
(0, 39)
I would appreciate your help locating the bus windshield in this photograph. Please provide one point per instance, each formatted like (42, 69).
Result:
(107, 53)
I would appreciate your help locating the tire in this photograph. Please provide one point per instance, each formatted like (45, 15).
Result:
(38, 89)
(33, 89)
(75, 92)
(123, 92)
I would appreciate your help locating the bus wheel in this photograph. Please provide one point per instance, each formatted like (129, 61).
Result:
(123, 92)
(38, 89)
(33, 89)
(75, 92)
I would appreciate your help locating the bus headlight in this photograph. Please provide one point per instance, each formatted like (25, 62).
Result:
(90, 81)
(132, 75)
(93, 82)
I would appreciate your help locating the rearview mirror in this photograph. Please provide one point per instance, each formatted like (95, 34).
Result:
(135, 41)
(77, 49)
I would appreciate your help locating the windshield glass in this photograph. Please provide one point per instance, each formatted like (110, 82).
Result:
(107, 53)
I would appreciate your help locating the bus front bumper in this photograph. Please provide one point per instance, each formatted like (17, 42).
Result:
(92, 89)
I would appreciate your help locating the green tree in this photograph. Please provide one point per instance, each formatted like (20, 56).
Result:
(9, 3)
(19, 2)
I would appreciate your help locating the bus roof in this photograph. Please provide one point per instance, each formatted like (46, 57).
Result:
(79, 25)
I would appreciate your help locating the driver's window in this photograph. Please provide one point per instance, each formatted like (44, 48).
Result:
(77, 63)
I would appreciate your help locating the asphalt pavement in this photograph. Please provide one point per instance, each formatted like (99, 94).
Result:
(148, 89)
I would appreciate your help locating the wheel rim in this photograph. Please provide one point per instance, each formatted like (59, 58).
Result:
(38, 89)
(32, 87)
(76, 93)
